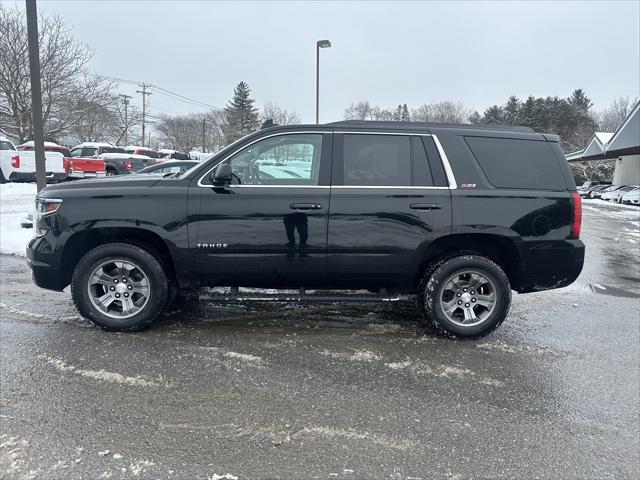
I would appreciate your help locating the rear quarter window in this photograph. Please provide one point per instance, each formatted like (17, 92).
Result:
(515, 163)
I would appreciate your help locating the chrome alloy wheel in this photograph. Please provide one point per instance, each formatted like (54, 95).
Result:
(468, 298)
(119, 288)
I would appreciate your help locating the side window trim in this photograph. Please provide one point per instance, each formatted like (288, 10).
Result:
(325, 161)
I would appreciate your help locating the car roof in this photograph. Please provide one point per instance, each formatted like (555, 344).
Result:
(94, 144)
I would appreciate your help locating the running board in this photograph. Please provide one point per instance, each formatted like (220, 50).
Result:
(234, 294)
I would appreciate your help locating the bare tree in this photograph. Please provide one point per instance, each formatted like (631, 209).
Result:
(68, 88)
(279, 116)
(441, 112)
(180, 132)
(359, 111)
(612, 117)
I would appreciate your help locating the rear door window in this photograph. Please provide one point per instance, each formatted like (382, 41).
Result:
(516, 163)
(376, 160)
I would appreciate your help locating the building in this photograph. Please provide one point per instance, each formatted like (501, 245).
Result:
(622, 145)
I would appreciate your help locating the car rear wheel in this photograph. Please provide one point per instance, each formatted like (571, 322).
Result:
(2, 179)
(120, 287)
(466, 296)
(110, 172)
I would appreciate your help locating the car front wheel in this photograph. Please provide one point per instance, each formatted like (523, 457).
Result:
(467, 296)
(120, 287)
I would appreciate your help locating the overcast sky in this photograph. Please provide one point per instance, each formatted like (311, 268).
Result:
(384, 52)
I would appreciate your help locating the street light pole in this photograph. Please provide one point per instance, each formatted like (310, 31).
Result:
(319, 44)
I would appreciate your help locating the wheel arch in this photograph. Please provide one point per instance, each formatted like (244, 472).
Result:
(78, 244)
(499, 248)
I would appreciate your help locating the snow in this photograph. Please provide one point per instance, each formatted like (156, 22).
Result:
(16, 202)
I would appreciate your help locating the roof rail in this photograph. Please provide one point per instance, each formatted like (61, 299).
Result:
(476, 126)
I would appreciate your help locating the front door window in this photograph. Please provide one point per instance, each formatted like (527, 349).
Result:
(280, 160)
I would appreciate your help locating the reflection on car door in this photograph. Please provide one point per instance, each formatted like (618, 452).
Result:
(269, 227)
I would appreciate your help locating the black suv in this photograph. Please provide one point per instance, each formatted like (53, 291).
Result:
(455, 215)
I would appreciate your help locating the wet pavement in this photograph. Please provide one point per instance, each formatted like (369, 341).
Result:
(331, 391)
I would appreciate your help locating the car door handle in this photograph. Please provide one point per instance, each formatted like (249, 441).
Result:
(425, 206)
(305, 206)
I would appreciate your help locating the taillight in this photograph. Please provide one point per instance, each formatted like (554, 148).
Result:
(15, 161)
(576, 224)
(128, 165)
(68, 165)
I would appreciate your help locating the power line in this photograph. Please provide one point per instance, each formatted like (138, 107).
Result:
(165, 92)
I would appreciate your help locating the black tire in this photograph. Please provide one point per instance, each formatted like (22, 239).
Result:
(2, 179)
(148, 262)
(110, 171)
(433, 283)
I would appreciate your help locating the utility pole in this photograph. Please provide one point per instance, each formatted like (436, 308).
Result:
(36, 93)
(204, 122)
(125, 99)
(144, 93)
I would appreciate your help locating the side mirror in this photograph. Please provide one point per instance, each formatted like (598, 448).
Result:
(222, 175)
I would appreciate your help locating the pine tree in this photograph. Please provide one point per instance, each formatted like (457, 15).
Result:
(493, 115)
(397, 114)
(241, 117)
(405, 117)
(512, 111)
(580, 101)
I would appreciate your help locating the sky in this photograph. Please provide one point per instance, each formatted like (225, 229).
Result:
(387, 53)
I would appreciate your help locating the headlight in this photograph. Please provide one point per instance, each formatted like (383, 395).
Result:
(46, 206)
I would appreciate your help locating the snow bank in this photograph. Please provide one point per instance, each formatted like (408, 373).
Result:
(16, 202)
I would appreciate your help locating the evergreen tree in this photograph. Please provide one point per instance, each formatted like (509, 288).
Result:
(475, 118)
(405, 117)
(397, 114)
(494, 115)
(241, 117)
(580, 101)
(512, 111)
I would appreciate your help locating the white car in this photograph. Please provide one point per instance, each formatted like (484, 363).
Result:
(20, 166)
(632, 197)
(615, 195)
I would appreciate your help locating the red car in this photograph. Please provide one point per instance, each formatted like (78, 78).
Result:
(75, 164)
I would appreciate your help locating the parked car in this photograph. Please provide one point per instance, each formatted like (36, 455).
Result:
(591, 192)
(632, 197)
(137, 150)
(125, 163)
(20, 166)
(590, 184)
(452, 215)
(625, 191)
(609, 189)
(167, 154)
(615, 194)
(170, 166)
(75, 165)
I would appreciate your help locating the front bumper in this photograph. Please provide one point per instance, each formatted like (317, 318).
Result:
(44, 265)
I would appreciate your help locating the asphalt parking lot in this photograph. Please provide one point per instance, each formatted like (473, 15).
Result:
(331, 391)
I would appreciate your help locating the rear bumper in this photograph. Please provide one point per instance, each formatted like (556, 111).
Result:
(80, 174)
(31, 176)
(547, 266)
